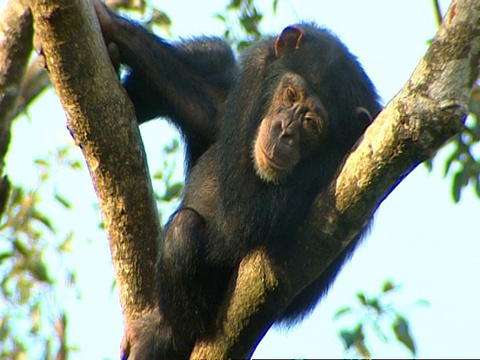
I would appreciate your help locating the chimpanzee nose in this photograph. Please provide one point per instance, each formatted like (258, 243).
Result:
(289, 131)
(289, 125)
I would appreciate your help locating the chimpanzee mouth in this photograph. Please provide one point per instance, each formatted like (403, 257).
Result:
(272, 163)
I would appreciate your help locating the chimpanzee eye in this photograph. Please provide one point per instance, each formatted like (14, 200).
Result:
(291, 95)
(310, 123)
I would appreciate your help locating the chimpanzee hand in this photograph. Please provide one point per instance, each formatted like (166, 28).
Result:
(108, 30)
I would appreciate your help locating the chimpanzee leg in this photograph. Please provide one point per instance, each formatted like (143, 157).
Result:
(190, 290)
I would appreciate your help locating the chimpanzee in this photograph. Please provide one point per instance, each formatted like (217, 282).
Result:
(264, 136)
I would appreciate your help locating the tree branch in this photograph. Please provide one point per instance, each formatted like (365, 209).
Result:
(36, 79)
(35, 82)
(102, 122)
(427, 112)
(16, 33)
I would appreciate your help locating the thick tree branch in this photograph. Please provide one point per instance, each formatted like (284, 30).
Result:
(102, 121)
(428, 111)
(16, 33)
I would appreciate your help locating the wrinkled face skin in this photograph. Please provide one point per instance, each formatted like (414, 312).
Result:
(292, 129)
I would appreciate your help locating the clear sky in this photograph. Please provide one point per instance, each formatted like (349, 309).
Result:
(419, 238)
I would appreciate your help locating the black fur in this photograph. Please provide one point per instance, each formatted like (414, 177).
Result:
(228, 209)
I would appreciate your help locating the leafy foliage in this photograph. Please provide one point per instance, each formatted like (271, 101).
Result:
(375, 313)
(463, 164)
(168, 188)
(152, 16)
(242, 20)
(31, 251)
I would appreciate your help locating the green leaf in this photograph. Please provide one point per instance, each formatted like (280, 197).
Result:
(37, 215)
(16, 196)
(35, 317)
(362, 298)
(42, 162)
(173, 191)
(39, 270)
(66, 245)
(353, 336)
(161, 19)
(275, 4)
(348, 338)
(5, 255)
(451, 158)
(173, 147)
(63, 201)
(423, 302)
(428, 164)
(460, 179)
(343, 311)
(75, 165)
(477, 186)
(235, 4)
(158, 175)
(21, 248)
(220, 17)
(402, 332)
(375, 304)
(388, 286)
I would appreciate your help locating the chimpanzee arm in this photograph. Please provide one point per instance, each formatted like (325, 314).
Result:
(187, 82)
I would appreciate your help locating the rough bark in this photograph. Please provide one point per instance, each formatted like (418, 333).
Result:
(16, 34)
(102, 122)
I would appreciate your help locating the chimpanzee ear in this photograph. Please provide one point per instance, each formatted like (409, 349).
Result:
(290, 39)
(364, 117)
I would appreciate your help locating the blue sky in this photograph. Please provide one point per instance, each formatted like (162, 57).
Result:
(419, 238)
